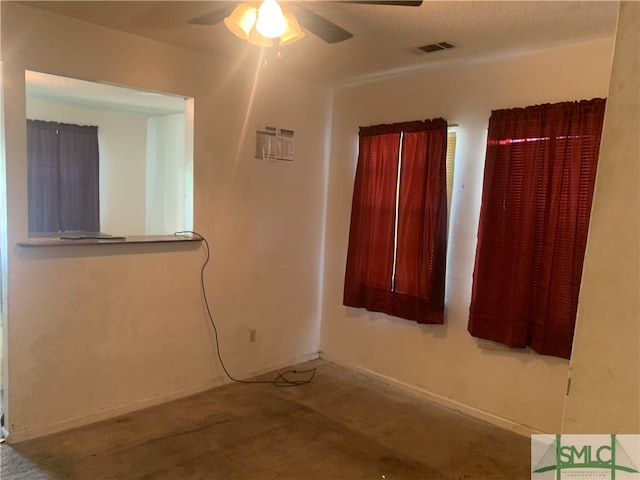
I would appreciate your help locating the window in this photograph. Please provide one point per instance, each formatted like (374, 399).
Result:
(450, 161)
(145, 142)
(536, 201)
(62, 158)
(397, 240)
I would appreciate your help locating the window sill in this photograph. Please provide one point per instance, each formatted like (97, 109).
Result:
(83, 240)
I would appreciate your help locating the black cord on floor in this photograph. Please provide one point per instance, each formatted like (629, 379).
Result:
(281, 380)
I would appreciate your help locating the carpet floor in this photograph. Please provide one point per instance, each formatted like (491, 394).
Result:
(343, 425)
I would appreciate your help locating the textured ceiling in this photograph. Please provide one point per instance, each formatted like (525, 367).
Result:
(385, 37)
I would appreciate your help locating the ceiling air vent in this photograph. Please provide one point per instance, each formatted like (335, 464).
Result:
(434, 47)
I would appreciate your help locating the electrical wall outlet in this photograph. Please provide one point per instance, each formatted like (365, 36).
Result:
(252, 335)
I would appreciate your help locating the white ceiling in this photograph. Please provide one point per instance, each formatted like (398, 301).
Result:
(385, 37)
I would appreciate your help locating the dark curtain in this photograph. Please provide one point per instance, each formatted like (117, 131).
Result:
(538, 186)
(415, 290)
(63, 165)
(43, 177)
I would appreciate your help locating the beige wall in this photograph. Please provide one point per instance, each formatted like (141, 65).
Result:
(169, 183)
(518, 389)
(605, 365)
(96, 331)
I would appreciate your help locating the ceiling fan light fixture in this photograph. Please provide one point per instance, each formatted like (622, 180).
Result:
(293, 33)
(271, 22)
(242, 20)
(258, 40)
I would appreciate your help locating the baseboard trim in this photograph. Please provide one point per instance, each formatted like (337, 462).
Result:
(488, 417)
(17, 436)
(291, 362)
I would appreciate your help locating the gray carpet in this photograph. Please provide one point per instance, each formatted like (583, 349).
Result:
(343, 425)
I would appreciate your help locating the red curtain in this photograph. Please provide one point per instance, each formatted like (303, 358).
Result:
(398, 267)
(538, 185)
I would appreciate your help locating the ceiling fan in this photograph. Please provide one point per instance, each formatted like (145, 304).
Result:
(312, 22)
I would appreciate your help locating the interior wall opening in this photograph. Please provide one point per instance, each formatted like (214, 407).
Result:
(145, 150)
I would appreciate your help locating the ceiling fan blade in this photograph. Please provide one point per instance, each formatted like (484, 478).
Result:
(214, 17)
(320, 26)
(394, 3)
